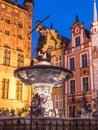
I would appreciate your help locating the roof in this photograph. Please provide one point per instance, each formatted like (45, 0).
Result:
(87, 32)
(64, 39)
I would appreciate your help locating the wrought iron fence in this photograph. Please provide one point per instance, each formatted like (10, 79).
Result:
(24, 123)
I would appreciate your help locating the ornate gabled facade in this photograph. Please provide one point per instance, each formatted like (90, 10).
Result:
(15, 52)
(77, 58)
(82, 58)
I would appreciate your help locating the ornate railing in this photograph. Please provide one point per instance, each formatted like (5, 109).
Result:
(44, 123)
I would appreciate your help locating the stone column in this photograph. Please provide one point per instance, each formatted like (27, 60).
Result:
(46, 98)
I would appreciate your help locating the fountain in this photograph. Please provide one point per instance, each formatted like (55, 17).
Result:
(42, 75)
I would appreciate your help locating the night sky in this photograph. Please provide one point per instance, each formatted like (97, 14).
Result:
(62, 15)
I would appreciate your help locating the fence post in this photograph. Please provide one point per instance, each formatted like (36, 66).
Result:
(24, 124)
(18, 123)
(5, 124)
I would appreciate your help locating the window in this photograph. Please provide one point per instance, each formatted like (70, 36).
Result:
(58, 101)
(72, 66)
(8, 21)
(7, 32)
(72, 86)
(20, 25)
(85, 84)
(30, 27)
(20, 60)
(77, 41)
(72, 111)
(84, 60)
(19, 36)
(6, 57)
(5, 88)
(19, 87)
(29, 38)
(58, 61)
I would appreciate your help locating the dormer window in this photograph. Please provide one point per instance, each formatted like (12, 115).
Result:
(77, 41)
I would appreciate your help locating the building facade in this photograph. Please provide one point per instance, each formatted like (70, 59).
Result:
(15, 52)
(81, 57)
(77, 59)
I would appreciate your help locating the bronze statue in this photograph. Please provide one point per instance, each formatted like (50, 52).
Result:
(42, 40)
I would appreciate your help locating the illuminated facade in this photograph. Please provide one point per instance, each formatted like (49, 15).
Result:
(82, 58)
(58, 60)
(78, 56)
(15, 52)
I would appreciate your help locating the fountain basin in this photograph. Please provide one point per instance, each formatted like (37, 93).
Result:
(43, 74)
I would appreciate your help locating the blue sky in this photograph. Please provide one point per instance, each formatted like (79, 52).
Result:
(62, 15)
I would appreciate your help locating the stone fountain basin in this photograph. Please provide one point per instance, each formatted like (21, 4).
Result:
(42, 74)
